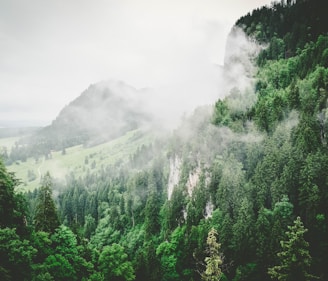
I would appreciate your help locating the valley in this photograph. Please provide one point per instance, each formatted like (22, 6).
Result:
(78, 159)
(234, 190)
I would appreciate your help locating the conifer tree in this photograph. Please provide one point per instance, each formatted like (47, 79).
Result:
(152, 223)
(46, 218)
(6, 197)
(295, 259)
(12, 205)
(214, 260)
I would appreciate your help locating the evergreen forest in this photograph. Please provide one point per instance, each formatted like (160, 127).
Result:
(239, 191)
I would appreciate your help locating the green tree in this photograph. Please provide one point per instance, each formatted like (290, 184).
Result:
(89, 226)
(306, 136)
(242, 238)
(214, 259)
(147, 265)
(11, 212)
(282, 218)
(169, 254)
(175, 207)
(221, 113)
(60, 268)
(270, 229)
(65, 242)
(231, 189)
(313, 186)
(42, 243)
(16, 256)
(67, 254)
(295, 259)
(114, 264)
(46, 218)
(263, 228)
(196, 208)
(152, 209)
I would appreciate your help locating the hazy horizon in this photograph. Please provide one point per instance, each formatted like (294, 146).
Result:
(51, 52)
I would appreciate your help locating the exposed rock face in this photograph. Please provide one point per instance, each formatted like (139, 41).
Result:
(193, 180)
(174, 175)
(209, 209)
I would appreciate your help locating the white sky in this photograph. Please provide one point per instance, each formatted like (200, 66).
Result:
(52, 50)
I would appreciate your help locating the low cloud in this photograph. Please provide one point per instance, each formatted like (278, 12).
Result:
(199, 84)
(52, 51)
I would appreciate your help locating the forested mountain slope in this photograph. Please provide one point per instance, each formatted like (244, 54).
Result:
(103, 112)
(250, 173)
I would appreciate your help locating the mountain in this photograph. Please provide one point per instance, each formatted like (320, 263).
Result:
(104, 111)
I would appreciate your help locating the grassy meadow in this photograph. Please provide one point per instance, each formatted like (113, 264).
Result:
(77, 159)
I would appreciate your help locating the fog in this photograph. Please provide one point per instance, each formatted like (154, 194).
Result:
(52, 51)
(108, 109)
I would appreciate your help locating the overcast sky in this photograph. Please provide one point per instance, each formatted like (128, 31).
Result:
(52, 50)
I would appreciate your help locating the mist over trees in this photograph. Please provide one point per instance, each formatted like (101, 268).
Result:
(238, 191)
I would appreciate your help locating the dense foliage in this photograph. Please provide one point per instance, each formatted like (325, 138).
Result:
(235, 193)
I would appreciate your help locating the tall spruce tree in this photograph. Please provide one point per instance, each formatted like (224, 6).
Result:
(295, 259)
(46, 218)
(152, 209)
(214, 260)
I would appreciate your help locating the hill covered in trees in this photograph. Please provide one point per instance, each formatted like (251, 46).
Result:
(103, 112)
(237, 192)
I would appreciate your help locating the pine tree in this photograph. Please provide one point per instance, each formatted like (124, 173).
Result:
(7, 200)
(13, 210)
(295, 259)
(46, 218)
(214, 260)
(152, 209)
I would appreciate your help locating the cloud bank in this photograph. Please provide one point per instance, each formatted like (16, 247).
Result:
(51, 51)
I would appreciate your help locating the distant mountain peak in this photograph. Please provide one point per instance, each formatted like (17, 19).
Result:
(103, 111)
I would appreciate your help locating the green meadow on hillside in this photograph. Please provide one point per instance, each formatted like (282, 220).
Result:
(77, 159)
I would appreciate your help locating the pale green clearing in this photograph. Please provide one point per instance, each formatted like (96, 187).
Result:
(79, 159)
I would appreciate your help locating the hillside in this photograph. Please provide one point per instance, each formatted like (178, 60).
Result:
(104, 111)
(238, 191)
(78, 160)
